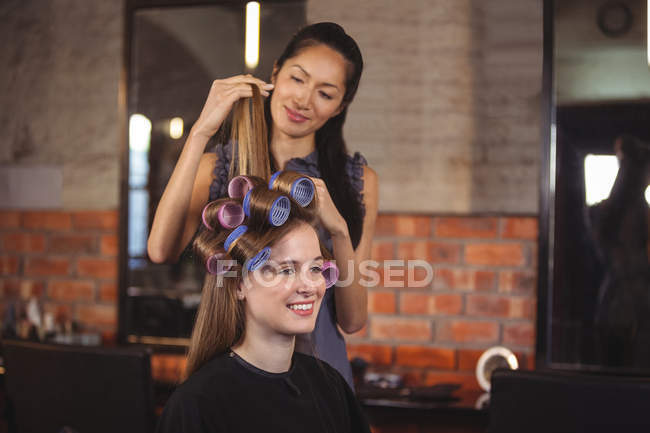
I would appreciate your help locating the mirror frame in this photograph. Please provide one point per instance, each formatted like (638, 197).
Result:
(546, 194)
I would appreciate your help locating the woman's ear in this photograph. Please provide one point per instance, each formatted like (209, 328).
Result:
(341, 108)
(240, 291)
(274, 74)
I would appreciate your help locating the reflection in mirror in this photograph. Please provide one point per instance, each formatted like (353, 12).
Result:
(176, 53)
(599, 314)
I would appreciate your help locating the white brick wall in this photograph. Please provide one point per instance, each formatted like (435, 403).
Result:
(449, 101)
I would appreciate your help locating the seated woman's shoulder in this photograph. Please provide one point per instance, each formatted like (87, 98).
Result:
(316, 366)
(209, 374)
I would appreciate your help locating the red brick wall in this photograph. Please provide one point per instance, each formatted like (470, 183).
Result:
(482, 294)
(66, 259)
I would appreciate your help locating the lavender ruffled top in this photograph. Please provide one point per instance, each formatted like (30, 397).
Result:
(326, 342)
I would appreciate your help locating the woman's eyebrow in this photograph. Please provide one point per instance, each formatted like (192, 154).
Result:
(295, 262)
(309, 75)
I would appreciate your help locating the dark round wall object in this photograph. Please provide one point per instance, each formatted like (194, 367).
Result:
(615, 18)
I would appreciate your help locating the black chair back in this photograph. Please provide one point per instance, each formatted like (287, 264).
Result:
(53, 388)
(547, 402)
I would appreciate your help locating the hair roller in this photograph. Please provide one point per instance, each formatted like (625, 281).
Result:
(299, 187)
(331, 274)
(233, 236)
(227, 213)
(215, 264)
(264, 207)
(240, 185)
(259, 259)
(240, 244)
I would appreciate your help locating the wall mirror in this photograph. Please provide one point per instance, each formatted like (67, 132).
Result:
(466, 129)
(594, 274)
(173, 53)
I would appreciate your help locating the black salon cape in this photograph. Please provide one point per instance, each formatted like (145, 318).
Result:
(230, 395)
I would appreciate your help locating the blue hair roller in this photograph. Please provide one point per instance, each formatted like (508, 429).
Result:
(272, 180)
(279, 212)
(246, 204)
(233, 236)
(259, 259)
(302, 191)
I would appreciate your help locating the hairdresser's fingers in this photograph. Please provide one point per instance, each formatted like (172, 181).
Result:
(244, 90)
(240, 91)
(223, 87)
(328, 214)
(318, 182)
(263, 85)
(321, 189)
(251, 80)
(218, 104)
(223, 94)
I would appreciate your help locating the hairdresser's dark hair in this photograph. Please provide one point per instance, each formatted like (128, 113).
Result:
(330, 145)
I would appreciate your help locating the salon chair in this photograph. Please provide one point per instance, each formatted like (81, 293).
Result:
(551, 401)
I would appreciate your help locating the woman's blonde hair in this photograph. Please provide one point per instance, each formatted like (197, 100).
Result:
(250, 138)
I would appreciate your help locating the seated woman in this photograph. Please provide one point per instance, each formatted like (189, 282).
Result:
(265, 283)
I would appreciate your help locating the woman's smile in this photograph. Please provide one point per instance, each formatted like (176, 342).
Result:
(302, 308)
(294, 116)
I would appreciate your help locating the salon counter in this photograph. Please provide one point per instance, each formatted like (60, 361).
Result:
(466, 413)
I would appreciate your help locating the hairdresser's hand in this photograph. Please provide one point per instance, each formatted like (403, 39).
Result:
(327, 212)
(223, 94)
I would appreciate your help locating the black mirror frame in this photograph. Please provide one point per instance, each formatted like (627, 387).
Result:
(546, 196)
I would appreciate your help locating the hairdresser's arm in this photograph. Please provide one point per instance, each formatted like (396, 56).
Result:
(352, 298)
(179, 210)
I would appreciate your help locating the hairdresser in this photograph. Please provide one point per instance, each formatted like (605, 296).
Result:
(312, 84)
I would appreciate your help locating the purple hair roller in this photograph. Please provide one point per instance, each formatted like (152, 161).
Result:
(213, 265)
(331, 273)
(239, 186)
(229, 214)
(279, 212)
(205, 222)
